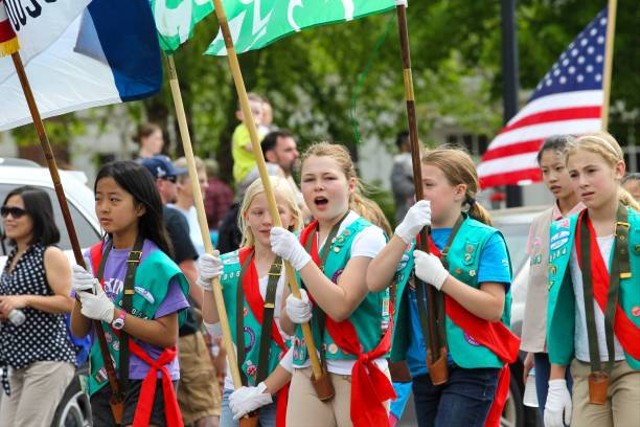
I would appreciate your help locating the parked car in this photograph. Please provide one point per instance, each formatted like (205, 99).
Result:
(74, 409)
(514, 223)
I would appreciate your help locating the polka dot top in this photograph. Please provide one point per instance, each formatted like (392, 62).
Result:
(43, 336)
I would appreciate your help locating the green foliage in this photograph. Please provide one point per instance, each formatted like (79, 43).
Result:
(310, 77)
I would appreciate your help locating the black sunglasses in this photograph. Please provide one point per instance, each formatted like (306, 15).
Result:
(170, 178)
(15, 211)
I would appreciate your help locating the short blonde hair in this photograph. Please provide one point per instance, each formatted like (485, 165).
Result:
(282, 188)
(605, 145)
(182, 164)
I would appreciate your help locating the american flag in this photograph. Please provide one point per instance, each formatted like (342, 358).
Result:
(568, 100)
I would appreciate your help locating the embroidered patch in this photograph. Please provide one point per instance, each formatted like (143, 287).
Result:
(558, 244)
(337, 275)
(333, 348)
(252, 370)
(470, 340)
(635, 311)
(563, 223)
(145, 294)
(249, 333)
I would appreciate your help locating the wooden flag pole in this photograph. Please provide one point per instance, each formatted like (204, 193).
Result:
(608, 62)
(117, 399)
(202, 218)
(321, 380)
(437, 350)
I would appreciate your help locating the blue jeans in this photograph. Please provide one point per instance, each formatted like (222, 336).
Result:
(464, 401)
(266, 414)
(543, 370)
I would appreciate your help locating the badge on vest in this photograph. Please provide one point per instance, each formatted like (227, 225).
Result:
(251, 335)
(470, 249)
(144, 294)
(635, 311)
(250, 368)
(559, 239)
(470, 340)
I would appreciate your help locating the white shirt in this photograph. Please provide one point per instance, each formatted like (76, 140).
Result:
(368, 243)
(581, 341)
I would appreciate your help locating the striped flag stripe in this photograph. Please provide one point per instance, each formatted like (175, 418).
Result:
(558, 101)
(532, 174)
(544, 130)
(520, 147)
(508, 164)
(590, 112)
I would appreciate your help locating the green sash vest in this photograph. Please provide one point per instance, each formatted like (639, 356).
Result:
(370, 319)
(562, 301)
(151, 284)
(464, 261)
(252, 328)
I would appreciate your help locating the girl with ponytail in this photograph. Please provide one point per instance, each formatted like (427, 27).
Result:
(469, 263)
(350, 324)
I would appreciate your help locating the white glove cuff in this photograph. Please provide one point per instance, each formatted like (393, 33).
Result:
(206, 285)
(300, 260)
(215, 329)
(262, 387)
(440, 279)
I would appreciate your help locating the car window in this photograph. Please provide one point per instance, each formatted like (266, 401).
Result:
(516, 236)
(87, 235)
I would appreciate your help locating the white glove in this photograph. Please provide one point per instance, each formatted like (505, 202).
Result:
(299, 309)
(418, 217)
(209, 267)
(286, 245)
(557, 411)
(98, 306)
(247, 399)
(83, 282)
(429, 269)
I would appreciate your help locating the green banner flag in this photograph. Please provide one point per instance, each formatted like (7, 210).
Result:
(175, 20)
(255, 24)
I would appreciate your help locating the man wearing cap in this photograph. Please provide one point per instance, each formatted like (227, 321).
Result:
(185, 255)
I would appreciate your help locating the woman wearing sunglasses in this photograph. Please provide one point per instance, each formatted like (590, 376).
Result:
(35, 285)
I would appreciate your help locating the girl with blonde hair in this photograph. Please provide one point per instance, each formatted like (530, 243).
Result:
(253, 282)
(593, 321)
(350, 324)
(469, 263)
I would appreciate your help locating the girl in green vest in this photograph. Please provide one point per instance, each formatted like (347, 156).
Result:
(534, 326)
(253, 279)
(475, 284)
(593, 321)
(129, 209)
(349, 323)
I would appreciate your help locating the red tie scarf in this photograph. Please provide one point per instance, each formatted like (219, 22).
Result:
(370, 387)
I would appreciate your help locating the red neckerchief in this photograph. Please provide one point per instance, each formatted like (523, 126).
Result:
(149, 384)
(493, 335)
(625, 331)
(251, 287)
(370, 387)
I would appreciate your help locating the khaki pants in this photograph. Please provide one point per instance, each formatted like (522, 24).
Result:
(198, 391)
(36, 392)
(623, 397)
(304, 409)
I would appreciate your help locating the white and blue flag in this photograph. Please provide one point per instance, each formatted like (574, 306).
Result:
(79, 54)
